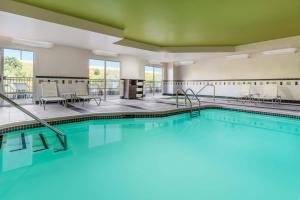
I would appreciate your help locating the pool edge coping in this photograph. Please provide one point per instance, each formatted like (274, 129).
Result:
(23, 125)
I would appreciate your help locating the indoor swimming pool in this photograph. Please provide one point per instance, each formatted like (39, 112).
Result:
(220, 155)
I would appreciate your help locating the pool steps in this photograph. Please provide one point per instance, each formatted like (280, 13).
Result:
(195, 113)
(38, 142)
(62, 138)
(1, 139)
(23, 142)
(45, 145)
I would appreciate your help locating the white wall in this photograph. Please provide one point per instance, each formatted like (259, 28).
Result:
(257, 67)
(65, 61)
(132, 67)
(61, 61)
(230, 76)
(73, 62)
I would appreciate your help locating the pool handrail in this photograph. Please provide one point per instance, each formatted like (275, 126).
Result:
(186, 98)
(193, 94)
(43, 122)
(208, 85)
(184, 93)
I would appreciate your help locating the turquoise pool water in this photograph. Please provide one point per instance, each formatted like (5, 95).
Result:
(221, 155)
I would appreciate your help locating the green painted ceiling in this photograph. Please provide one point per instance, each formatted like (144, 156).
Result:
(188, 22)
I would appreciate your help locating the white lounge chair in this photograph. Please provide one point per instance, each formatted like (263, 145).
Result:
(50, 94)
(244, 93)
(270, 92)
(87, 92)
(255, 93)
(21, 89)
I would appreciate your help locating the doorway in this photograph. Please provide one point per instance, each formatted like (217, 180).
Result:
(153, 80)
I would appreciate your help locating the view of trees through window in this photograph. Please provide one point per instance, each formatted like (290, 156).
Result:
(18, 73)
(153, 80)
(106, 74)
(18, 63)
(97, 69)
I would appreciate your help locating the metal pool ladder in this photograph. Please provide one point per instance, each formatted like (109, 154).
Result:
(193, 112)
(61, 137)
(208, 85)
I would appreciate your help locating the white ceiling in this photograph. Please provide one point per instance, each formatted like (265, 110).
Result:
(15, 26)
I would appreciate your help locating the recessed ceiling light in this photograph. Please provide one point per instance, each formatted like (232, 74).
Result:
(105, 53)
(32, 43)
(237, 56)
(280, 51)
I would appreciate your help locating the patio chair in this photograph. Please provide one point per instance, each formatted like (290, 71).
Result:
(50, 94)
(255, 93)
(87, 92)
(21, 89)
(244, 93)
(270, 93)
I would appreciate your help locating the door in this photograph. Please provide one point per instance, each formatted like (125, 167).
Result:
(153, 80)
(106, 74)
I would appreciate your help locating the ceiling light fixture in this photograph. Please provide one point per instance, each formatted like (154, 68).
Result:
(105, 53)
(154, 62)
(280, 51)
(237, 56)
(185, 62)
(33, 43)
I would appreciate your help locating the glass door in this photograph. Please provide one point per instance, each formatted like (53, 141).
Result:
(112, 79)
(153, 80)
(106, 74)
(149, 75)
(97, 74)
(157, 80)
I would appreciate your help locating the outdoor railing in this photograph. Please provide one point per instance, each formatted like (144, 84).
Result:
(112, 86)
(153, 87)
(10, 89)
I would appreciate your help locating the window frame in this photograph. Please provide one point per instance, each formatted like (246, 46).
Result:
(153, 75)
(105, 72)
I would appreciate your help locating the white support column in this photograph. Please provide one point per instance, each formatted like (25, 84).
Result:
(1, 73)
(169, 76)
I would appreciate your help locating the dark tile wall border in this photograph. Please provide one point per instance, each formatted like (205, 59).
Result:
(246, 79)
(61, 77)
(72, 119)
(229, 87)
(226, 97)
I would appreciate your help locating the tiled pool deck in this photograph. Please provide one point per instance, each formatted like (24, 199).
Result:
(10, 116)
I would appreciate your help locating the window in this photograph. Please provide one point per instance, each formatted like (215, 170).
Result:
(97, 73)
(153, 80)
(18, 73)
(107, 75)
(112, 78)
(97, 69)
(18, 63)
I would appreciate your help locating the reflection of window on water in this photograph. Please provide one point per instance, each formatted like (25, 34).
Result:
(14, 156)
(104, 134)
